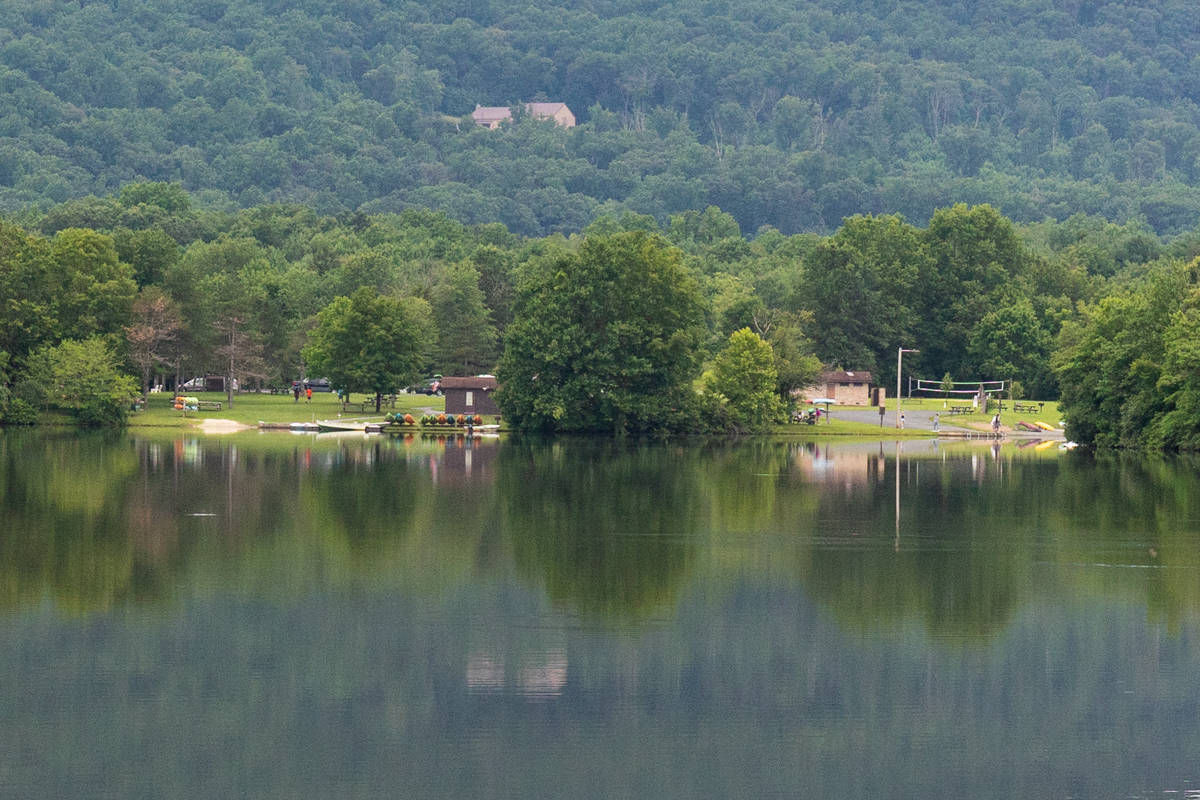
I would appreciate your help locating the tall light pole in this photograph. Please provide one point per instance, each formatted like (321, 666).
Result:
(899, 358)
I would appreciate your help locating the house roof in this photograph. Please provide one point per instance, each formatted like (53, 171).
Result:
(846, 377)
(484, 383)
(544, 109)
(488, 114)
(491, 113)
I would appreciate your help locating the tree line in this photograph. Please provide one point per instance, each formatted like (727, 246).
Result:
(793, 116)
(627, 326)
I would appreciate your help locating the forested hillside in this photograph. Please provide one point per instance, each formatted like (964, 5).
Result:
(793, 115)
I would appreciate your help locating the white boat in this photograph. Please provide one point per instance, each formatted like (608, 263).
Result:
(339, 425)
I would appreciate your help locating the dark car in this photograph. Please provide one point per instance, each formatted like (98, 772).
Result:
(432, 386)
(316, 384)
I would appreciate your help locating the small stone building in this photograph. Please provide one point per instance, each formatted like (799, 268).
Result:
(843, 387)
(470, 395)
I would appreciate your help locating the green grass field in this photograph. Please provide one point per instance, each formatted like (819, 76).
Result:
(1048, 412)
(249, 409)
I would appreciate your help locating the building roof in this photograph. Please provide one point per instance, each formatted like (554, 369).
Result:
(491, 113)
(846, 377)
(544, 109)
(485, 383)
(487, 115)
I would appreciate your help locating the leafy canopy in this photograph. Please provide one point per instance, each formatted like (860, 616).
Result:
(370, 342)
(82, 377)
(603, 339)
(744, 376)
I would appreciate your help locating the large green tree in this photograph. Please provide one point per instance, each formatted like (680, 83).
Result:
(27, 291)
(96, 289)
(795, 365)
(1126, 370)
(604, 339)
(83, 378)
(370, 342)
(744, 376)
(858, 287)
(466, 342)
(978, 264)
(1010, 343)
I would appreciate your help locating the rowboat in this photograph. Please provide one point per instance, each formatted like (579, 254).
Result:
(337, 425)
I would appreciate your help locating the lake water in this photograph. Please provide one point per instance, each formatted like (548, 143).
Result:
(283, 616)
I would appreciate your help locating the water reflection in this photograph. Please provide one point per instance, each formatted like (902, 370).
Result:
(954, 536)
(274, 616)
(539, 674)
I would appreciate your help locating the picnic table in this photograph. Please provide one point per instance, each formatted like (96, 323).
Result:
(960, 409)
(208, 405)
(387, 401)
(1028, 408)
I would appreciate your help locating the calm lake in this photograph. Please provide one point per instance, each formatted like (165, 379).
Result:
(301, 616)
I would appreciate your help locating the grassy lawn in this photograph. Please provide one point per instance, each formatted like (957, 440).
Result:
(1008, 417)
(249, 409)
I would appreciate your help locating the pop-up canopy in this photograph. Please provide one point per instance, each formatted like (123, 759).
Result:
(823, 401)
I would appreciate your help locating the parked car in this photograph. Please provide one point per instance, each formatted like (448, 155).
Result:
(316, 384)
(432, 386)
(194, 385)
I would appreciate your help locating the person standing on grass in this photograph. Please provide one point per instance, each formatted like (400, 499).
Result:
(996, 424)
(308, 394)
(296, 391)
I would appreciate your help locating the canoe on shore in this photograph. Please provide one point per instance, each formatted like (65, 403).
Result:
(337, 425)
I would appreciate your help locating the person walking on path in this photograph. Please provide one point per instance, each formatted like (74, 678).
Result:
(996, 424)
(901, 422)
(308, 394)
(937, 419)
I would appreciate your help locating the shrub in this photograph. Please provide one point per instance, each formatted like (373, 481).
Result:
(83, 378)
(18, 412)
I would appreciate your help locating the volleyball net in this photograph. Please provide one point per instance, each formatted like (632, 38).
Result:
(945, 388)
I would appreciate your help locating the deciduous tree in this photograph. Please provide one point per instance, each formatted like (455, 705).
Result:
(370, 342)
(744, 375)
(156, 327)
(82, 377)
(604, 339)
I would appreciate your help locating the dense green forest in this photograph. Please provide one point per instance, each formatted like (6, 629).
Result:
(791, 115)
